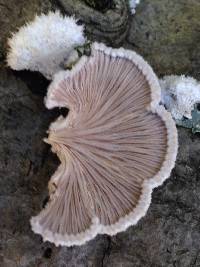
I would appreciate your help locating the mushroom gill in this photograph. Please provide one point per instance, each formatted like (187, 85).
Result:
(116, 144)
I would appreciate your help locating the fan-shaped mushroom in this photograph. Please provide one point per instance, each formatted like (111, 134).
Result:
(115, 146)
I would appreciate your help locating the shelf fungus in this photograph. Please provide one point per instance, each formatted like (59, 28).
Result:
(116, 144)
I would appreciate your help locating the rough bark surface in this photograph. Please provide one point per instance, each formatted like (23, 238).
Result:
(166, 33)
(109, 25)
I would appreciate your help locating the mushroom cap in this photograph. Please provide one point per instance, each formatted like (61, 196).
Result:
(45, 43)
(116, 144)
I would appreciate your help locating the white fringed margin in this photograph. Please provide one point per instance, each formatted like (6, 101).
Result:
(66, 240)
(172, 146)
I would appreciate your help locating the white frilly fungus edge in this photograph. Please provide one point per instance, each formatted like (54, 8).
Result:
(172, 146)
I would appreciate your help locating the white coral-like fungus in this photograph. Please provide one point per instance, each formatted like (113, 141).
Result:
(45, 43)
(133, 4)
(179, 94)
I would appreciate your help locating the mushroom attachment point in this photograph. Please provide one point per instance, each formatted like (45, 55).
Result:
(116, 144)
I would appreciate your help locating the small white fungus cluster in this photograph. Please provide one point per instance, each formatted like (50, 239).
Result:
(45, 43)
(133, 4)
(179, 94)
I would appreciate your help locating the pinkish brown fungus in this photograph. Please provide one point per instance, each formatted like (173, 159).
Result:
(116, 144)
